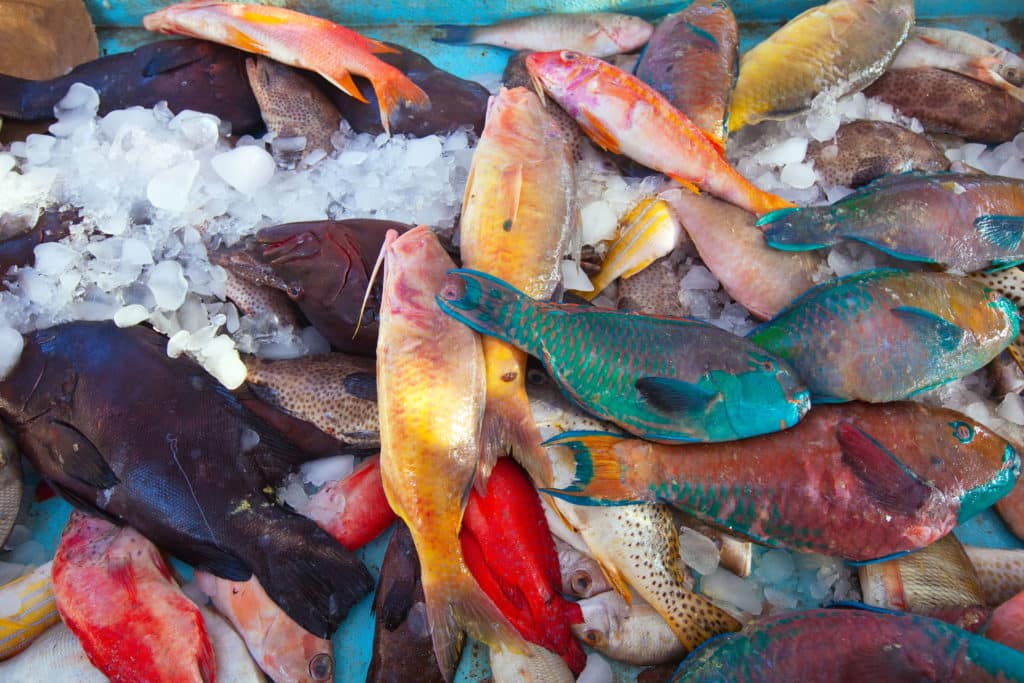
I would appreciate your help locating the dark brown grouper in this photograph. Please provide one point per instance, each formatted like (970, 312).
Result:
(189, 74)
(947, 102)
(120, 429)
(402, 649)
(454, 102)
(51, 226)
(324, 267)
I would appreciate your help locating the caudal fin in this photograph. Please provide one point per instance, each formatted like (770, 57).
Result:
(601, 471)
(394, 90)
(456, 600)
(305, 571)
(455, 34)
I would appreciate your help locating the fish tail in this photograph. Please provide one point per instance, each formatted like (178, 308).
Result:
(508, 424)
(454, 600)
(492, 307)
(793, 229)
(455, 34)
(394, 90)
(604, 475)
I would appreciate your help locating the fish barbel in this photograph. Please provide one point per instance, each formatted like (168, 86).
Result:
(884, 335)
(600, 34)
(518, 216)
(859, 481)
(624, 115)
(430, 387)
(296, 39)
(839, 48)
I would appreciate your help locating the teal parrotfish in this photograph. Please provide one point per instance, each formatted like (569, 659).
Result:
(861, 645)
(963, 221)
(860, 481)
(661, 378)
(887, 334)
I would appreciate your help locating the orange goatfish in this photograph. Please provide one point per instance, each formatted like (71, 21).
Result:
(296, 39)
(626, 116)
(430, 392)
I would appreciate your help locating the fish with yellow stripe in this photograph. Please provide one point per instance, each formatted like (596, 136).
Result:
(333, 51)
(36, 610)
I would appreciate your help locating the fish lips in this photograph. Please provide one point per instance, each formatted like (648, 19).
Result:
(985, 496)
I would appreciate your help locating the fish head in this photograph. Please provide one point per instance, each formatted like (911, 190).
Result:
(561, 74)
(767, 396)
(628, 32)
(414, 270)
(994, 324)
(246, 262)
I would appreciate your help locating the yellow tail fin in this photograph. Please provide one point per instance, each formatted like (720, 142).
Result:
(396, 89)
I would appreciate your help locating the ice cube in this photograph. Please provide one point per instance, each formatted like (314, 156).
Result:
(169, 188)
(775, 566)
(798, 175)
(779, 598)
(725, 586)
(788, 151)
(38, 148)
(1012, 409)
(822, 125)
(699, 277)
(7, 162)
(698, 551)
(201, 131)
(1013, 168)
(54, 258)
(599, 222)
(132, 314)
(133, 117)
(247, 168)
(11, 343)
(319, 472)
(167, 282)
(421, 152)
(573, 277)
(597, 670)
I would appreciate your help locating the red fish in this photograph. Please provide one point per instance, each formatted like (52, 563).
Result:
(115, 592)
(509, 549)
(1007, 623)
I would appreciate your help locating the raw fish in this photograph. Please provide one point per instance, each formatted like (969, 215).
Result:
(667, 379)
(1010, 283)
(963, 221)
(693, 60)
(36, 610)
(260, 301)
(624, 115)
(653, 291)
(1000, 572)
(600, 34)
(1007, 623)
(865, 150)
(947, 102)
(630, 632)
(187, 74)
(115, 592)
(516, 75)
(333, 51)
(52, 226)
(860, 648)
(536, 666)
(837, 48)
(119, 428)
(430, 388)
(581, 574)
(858, 481)
(518, 216)
(884, 335)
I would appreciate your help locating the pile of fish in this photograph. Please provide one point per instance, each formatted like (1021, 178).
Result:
(518, 385)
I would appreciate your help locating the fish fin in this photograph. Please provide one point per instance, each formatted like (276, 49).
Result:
(241, 40)
(342, 80)
(981, 70)
(687, 184)
(675, 396)
(615, 577)
(946, 335)
(1016, 350)
(599, 133)
(455, 34)
(600, 471)
(394, 90)
(361, 385)
(78, 457)
(304, 570)
(380, 48)
(999, 264)
(396, 603)
(1003, 231)
(885, 478)
(511, 188)
(218, 561)
(457, 600)
(888, 249)
(81, 503)
(509, 424)
(884, 558)
(775, 215)
(168, 60)
(122, 573)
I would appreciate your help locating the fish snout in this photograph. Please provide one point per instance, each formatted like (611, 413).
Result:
(986, 495)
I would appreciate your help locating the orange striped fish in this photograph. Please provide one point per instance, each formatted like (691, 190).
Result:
(36, 610)
(296, 39)
(626, 116)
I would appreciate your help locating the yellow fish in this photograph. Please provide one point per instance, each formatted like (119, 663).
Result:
(840, 47)
(430, 392)
(518, 216)
(36, 611)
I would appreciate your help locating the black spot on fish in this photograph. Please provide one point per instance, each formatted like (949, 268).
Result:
(507, 225)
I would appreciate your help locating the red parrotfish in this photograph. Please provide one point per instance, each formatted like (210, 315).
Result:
(115, 591)
(624, 115)
(509, 548)
(859, 481)
(296, 39)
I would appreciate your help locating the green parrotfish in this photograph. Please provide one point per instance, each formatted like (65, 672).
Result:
(661, 378)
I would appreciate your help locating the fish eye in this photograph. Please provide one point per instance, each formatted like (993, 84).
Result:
(454, 288)
(321, 667)
(593, 637)
(569, 56)
(535, 376)
(296, 292)
(581, 583)
(963, 432)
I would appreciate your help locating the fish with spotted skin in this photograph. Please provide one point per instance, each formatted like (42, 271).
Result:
(252, 299)
(965, 222)
(693, 60)
(653, 291)
(292, 107)
(836, 48)
(630, 632)
(600, 34)
(518, 217)
(666, 379)
(859, 643)
(11, 484)
(1010, 283)
(1000, 572)
(624, 115)
(884, 335)
(335, 392)
(516, 75)
(858, 481)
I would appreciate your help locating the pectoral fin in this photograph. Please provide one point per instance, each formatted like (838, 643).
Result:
(600, 134)
(675, 396)
(885, 478)
(932, 328)
(243, 41)
(78, 457)
(511, 190)
(1003, 231)
(342, 80)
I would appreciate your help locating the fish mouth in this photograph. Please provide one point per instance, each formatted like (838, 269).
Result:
(983, 497)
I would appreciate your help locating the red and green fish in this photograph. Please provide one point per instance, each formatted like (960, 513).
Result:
(859, 481)
(665, 379)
